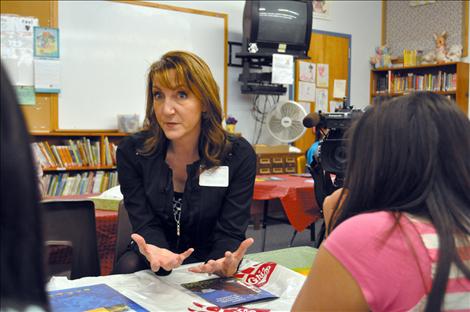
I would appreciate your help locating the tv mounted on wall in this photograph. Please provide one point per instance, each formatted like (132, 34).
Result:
(278, 26)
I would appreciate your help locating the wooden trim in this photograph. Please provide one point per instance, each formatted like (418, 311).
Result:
(225, 104)
(94, 133)
(383, 38)
(465, 29)
(173, 8)
(54, 22)
(413, 67)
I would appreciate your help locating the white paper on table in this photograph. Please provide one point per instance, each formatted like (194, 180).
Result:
(306, 106)
(322, 75)
(112, 193)
(282, 69)
(47, 75)
(336, 105)
(307, 71)
(306, 91)
(321, 102)
(339, 90)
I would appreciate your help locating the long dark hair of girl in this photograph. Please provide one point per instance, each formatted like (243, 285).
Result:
(22, 267)
(410, 154)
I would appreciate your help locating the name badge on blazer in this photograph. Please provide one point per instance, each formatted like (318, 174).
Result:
(214, 177)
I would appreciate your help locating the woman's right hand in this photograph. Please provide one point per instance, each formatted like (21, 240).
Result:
(160, 257)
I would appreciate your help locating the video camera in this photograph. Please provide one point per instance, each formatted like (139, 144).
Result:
(330, 157)
(331, 153)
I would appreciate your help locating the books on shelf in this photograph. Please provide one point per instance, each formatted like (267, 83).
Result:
(98, 297)
(406, 82)
(89, 182)
(75, 154)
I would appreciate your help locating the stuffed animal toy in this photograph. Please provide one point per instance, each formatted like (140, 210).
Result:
(455, 53)
(381, 58)
(441, 47)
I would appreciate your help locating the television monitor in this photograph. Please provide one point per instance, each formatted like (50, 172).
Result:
(273, 24)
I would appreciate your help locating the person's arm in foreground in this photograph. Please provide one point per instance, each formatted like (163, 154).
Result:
(329, 287)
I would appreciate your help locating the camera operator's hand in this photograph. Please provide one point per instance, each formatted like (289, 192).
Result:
(329, 205)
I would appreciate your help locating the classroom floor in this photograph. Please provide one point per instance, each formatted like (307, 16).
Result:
(278, 236)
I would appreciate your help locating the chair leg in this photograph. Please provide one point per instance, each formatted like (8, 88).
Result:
(265, 223)
(292, 239)
(312, 232)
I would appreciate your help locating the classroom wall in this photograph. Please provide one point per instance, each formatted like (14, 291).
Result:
(361, 19)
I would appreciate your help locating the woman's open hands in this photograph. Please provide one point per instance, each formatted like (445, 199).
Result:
(226, 266)
(160, 257)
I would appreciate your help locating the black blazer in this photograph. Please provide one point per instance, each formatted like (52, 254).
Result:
(213, 219)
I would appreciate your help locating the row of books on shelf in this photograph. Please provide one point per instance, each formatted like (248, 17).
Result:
(75, 153)
(394, 83)
(90, 182)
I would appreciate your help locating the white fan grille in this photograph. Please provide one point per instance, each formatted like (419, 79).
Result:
(284, 122)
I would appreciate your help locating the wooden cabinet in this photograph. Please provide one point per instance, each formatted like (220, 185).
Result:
(450, 79)
(77, 162)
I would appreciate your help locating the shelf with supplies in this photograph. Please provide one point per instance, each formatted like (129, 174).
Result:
(450, 79)
(77, 162)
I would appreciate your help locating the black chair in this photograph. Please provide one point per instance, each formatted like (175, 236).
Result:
(124, 231)
(71, 223)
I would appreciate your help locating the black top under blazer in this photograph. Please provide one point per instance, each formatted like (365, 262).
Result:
(213, 219)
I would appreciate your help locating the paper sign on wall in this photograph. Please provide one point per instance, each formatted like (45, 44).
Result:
(306, 91)
(339, 90)
(47, 75)
(321, 101)
(307, 71)
(322, 75)
(282, 69)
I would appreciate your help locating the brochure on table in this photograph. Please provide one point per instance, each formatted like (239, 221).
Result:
(163, 293)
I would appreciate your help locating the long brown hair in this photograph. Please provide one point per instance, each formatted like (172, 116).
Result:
(193, 73)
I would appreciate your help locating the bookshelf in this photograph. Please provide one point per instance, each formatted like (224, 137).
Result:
(77, 162)
(450, 79)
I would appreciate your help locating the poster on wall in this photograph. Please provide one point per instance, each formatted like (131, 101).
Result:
(307, 71)
(321, 100)
(322, 75)
(306, 91)
(46, 42)
(321, 9)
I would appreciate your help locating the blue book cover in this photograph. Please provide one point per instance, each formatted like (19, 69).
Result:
(227, 292)
(98, 298)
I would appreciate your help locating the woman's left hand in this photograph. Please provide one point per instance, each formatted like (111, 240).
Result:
(226, 266)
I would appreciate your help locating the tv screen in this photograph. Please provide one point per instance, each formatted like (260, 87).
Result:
(271, 23)
(282, 22)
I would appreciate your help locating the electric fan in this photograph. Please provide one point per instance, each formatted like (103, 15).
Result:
(284, 121)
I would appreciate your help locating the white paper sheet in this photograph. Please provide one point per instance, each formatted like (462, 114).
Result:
(321, 101)
(336, 105)
(307, 71)
(322, 75)
(306, 106)
(306, 91)
(47, 75)
(339, 90)
(282, 69)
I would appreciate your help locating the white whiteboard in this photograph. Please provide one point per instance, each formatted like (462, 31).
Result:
(107, 47)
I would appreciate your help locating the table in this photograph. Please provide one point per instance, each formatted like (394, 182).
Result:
(158, 293)
(295, 193)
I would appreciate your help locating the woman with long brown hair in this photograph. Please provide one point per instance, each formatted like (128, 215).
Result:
(400, 229)
(187, 183)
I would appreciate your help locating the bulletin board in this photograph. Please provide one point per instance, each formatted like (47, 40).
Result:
(411, 24)
(107, 47)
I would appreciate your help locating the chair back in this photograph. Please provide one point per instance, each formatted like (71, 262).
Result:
(124, 231)
(73, 223)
